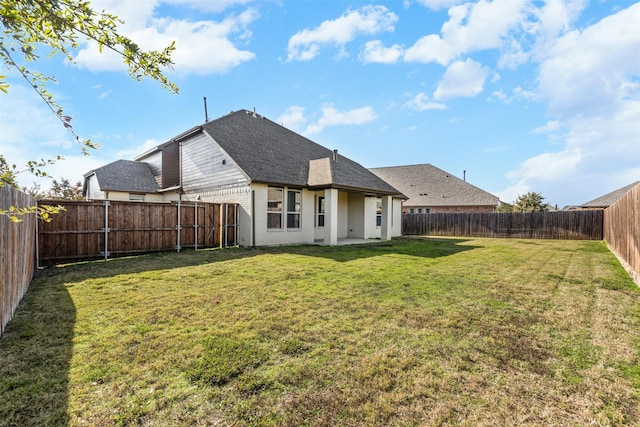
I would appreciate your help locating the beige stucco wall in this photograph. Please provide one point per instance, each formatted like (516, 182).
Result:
(283, 236)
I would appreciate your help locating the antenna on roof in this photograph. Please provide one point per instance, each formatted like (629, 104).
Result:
(206, 115)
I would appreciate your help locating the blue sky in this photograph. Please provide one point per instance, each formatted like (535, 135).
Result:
(522, 95)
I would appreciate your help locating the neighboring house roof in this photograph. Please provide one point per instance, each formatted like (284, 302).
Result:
(609, 198)
(426, 185)
(270, 153)
(125, 175)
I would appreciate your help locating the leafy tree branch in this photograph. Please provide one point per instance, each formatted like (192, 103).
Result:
(60, 26)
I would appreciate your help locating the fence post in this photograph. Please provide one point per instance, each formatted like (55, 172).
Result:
(106, 230)
(195, 227)
(37, 244)
(178, 228)
(226, 225)
(235, 224)
(221, 225)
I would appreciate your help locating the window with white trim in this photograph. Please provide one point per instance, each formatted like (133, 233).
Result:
(320, 212)
(274, 208)
(293, 208)
(379, 213)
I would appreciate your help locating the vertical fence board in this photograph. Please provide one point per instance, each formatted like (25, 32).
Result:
(17, 253)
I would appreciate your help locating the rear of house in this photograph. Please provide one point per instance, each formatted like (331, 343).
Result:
(290, 190)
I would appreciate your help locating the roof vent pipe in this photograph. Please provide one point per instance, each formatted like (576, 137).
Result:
(254, 112)
(464, 175)
(335, 155)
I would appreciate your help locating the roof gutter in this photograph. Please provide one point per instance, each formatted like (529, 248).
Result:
(188, 134)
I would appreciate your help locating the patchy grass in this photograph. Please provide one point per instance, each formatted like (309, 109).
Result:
(478, 332)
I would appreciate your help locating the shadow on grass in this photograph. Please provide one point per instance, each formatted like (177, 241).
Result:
(426, 247)
(423, 247)
(36, 351)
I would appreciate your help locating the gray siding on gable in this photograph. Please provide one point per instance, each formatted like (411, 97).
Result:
(93, 190)
(203, 168)
(155, 161)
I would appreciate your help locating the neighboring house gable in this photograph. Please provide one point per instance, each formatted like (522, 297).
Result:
(608, 199)
(430, 189)
(122, 179)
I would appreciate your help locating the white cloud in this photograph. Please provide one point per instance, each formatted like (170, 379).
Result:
(421, 103)
(517, 94)
(374, 51)
(550, 126)
(586, 71)
(589, 79)
(202, 47)
(461, 79)
(293, 118)
(332, 117)
(439, 4)
(471, 27)
(555, 17)
(306, 44)
(132, 152)
(591, 146)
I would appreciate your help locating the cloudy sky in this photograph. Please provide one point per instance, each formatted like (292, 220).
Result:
(522, 95)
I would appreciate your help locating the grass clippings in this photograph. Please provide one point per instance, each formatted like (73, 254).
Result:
(460, 332)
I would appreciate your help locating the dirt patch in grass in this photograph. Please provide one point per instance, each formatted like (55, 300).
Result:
(475, 332)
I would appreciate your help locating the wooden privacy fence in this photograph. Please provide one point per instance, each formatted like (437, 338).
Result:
(17, 252)
(622, 228)
(574, 225)
(90, 230)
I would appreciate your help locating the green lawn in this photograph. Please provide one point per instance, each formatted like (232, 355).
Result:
(469, 332)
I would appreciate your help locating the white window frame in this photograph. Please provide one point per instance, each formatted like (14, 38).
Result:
(320, 212)
(276, 209)
(296, 209)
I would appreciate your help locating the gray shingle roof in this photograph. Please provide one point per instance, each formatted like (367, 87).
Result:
(426, 185)
(126, 175)
(271, 153)
(609, 198)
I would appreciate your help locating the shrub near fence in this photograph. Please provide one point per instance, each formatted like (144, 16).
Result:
(89, 230)
(17, 252)
(574, 225)
(622, 228)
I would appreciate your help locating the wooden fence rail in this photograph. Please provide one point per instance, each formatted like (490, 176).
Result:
(575, 225)
(103, 229)
(622, 229)
(17, 252)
